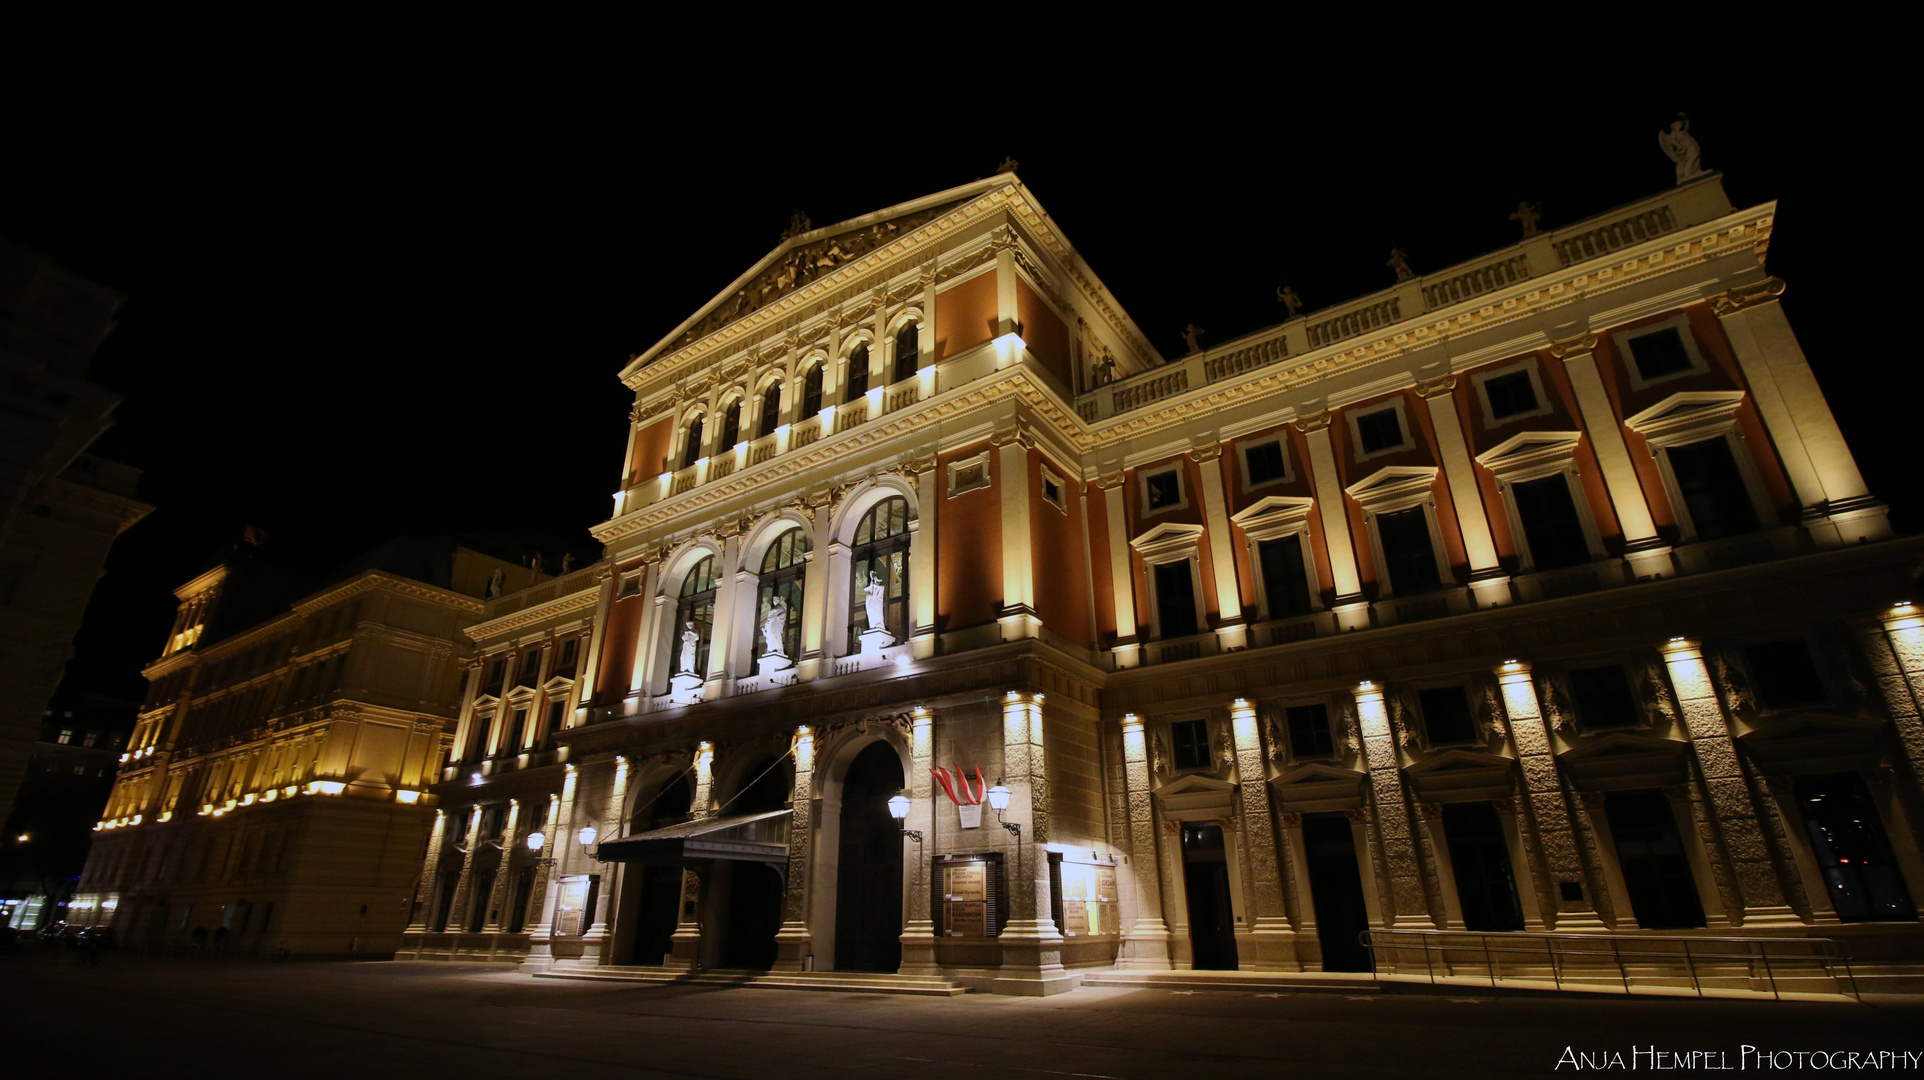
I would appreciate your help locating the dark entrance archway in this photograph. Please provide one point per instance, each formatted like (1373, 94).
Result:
(1336, 888)
(749, 894)
(1212, 919)
(1485, 884)
(1650, 851)
(868, 882)
(657, 891)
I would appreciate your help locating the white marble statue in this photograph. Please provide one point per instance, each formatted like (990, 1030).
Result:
(1681, 147)
(775, 627)
(875, 599)
(494, 584)
(690, 644)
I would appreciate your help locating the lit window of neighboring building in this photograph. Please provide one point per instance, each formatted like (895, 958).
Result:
(66, 736)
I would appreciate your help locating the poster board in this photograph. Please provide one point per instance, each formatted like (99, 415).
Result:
(968, 895)
(575, 893)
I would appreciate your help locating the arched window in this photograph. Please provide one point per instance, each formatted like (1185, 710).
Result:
(811, 394)
(881, 548)
(771, 410)
(857, 374)
(908, 352)
(694, 611)
(782, 570)
(731, 425)
(691, 452)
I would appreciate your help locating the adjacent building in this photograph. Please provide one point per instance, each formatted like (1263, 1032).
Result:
(68, 778)
(1538, 593)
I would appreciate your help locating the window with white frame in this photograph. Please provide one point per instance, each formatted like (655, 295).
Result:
(1277, 529)
(1399, 506)
(1172, 564)
(1162, 489)
(1512, 392)
(1707, 471)
(1265, 461)
(1660, 352)
(1380, 430)
(1543, 497)
(968, 474)
(1054, 491)
(908, 351)
(691, 443)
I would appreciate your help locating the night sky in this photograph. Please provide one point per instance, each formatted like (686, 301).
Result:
(381, 275)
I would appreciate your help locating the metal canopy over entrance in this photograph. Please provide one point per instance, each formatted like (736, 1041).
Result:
(759, 838)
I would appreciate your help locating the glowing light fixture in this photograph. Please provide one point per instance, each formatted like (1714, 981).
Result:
(587, 835)
(898, 808)
(537, 841)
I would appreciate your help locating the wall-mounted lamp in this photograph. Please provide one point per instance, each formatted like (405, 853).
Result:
(586, 837)
(899, 810)
(537, 841)
(999, 801)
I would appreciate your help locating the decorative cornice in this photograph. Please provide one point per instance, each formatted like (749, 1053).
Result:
(1744, 296)
(553, 609)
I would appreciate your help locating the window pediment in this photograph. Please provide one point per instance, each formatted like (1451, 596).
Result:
(559, 682)
(1811, 742)
(1167, 542)
(1625, 760)
(1196, 797)
(1274, 516)
(1530, 455)
(1394, 487)
(1687, 417)
(1461, 774)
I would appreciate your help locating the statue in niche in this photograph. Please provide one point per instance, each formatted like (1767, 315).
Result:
(1528, 214)
(1400, 263)
(1681, 147)
(1292, 301)
(690, 645)
(875, 600)
(494, 584)
(1192, 337)
(774, 627)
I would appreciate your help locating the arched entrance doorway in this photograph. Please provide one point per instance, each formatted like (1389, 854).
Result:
(656, 894)
(868, 880)
(749, 894)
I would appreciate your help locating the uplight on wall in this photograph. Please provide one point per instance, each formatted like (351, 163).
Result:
(407, 798)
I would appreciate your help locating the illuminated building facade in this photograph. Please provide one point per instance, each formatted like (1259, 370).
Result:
(1539, 593)
(273, 797)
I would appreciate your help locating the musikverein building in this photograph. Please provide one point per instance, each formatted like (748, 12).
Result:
(1540, 593)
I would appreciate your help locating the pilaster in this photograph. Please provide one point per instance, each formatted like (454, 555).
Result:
(1270, 942)
(430, 870)
(924, 550)
(1644, 550)
(1145, 945)
(1489, 582)
(1128, 651)
(1018, 617)
(1547, 815)
(1030, 944)
(684, 946)
(1231, 629)
(1396, 854)
(594, 942)
(918, 935)
(1332, 505)
(464, 885)
(503, 877)
(793, 942)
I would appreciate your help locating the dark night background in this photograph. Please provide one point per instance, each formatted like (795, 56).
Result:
(381, 273)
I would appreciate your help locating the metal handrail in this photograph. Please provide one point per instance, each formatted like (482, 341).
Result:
(1620, 951)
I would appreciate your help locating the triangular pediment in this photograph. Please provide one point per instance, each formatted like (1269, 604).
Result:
(1625, 760)
(1196, 797)
(1690, 409)
(1273, 511)
(558, 682)
(1809, 742)
(1316, 786)
(1195, 783)
(1457, 760)
(1461, 774)
(1316, 772)
(1167, 538)
(1522, 456)
(1393, 487)
(1618, 744)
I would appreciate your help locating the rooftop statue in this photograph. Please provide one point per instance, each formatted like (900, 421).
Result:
(1681, 147)
(798, 224)
(1008, 165)
(1291, 301)
(1192, 336)
(1529, 214)
(1400, 263)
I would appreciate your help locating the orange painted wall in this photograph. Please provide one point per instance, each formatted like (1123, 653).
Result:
(617, 666)
(1045, 335)
(1060, 562)
(650, 456)
(1105, 592)
(965, 316)
(968, 554)
(1188, 515)
(1446, 522)
(1297, 487)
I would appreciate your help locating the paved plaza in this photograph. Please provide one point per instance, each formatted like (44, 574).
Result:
(134, 1016)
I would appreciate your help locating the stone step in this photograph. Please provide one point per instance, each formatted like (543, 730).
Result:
(852, 982)
(1341, 982)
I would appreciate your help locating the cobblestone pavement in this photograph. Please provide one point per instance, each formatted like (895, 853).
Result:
(139, 1017)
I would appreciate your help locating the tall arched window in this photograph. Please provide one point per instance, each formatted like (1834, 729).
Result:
(811, 394)
(782, 570)
(857, 373)
(908, 352)
(694, 611)
(881, 548)
(691, 452)
(731, 425)
(771, 411)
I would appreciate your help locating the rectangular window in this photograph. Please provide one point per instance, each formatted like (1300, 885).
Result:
(1660, 353)
(1784, 674)
(66, 736)
(1550, 522)
(1309, 734)
(530, 668)
(557, 711)
(857, 375)
(1408, 558)
(1510, 395)
(517, 730)
(90, 738)
(1164, 490)
(1603, 698)
(1712, 489)
(1189, 744)
(1175, 599)
(564, 664)
(1285, 580)
(1265, 462)
(1446, 716)
(497, 674)
(1052, 491)
(1379, 430)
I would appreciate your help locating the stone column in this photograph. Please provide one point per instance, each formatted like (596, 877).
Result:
(1615, 893)
(591, 662)
(430, 870)
(463, 886)
(1547, 814)
(1332, 506)
(1779, 791)
(1894, 646)
(1519, 839)
(1003, 240)
(1838, 509)
(1429, 819)
(1031, 946)
(918, 935)
(540, 902)
(594, 942)
(1231, 630)
(1122, 576)
(1145, 946)
(1489, 582)
(721, 635)
(1018, 615)
(793, 943)
(684, 947)
(1644, 550)
(503, 887)
(924, 546)
(815, 585)
(1738, 818)
(1397, 850)
(1270, 942)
